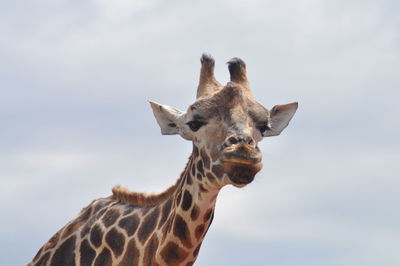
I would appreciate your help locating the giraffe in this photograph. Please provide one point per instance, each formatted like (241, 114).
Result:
(225, 124)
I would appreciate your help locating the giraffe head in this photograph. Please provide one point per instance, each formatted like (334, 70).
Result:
(225, 123)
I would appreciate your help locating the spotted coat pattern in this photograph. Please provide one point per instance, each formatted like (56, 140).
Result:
(112, 232)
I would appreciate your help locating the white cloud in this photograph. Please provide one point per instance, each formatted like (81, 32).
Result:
(60, 162)
(75, 122)
(120, 10)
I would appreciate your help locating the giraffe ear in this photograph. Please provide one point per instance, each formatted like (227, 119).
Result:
(170, 120)
(280, 117)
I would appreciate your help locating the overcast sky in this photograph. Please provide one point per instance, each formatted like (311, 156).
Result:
(76, 77)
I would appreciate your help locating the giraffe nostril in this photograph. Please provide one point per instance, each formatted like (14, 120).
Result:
(233, 140)
(249, 140)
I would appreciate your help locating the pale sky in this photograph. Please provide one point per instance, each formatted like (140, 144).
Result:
(76, 77)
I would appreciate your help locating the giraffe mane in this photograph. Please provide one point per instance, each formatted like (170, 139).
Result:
(141, 199)
(128, 196)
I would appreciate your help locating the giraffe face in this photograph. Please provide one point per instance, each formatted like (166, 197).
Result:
(225, 124)
(228, 126)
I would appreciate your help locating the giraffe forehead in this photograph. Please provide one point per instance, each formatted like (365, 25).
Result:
(230, 95)
(226, 103)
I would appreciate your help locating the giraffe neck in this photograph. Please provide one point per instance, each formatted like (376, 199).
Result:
(130, 228)
(191, 214)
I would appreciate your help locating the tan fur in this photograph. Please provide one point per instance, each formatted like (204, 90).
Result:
(141, 199)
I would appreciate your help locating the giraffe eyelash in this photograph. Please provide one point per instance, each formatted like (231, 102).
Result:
(195, 125)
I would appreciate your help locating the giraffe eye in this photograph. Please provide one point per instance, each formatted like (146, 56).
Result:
(195, 125)
(262, 128)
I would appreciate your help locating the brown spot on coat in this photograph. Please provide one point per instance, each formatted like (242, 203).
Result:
(131, 256)
(172, 254)
(211, 177)
(65, 254)
(44, 259)
(145, 210)
(104, 258)
(165, 211)
(129, 224)
(200, 167)
(187, 201)
(85, 214)
(100, 204)
(110, 217)
(198, 232)
(218, 170)
(193, 169)
(214, 155)
(100, 213)
(86, 228)
(195, 212)
(199, 176)
(87, 253)
(129, 209)
(189, 180)
(116, 241)
(150, 251)
(96, 235)
(148, 225)
(182, 232)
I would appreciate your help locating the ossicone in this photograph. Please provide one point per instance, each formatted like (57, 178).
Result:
(207, 84)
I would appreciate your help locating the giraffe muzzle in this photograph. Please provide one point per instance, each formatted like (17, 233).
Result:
(241, 154)
(241, 162)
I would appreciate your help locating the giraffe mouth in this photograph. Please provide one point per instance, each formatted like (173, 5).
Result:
(241, 173)
(241, 164)
(241, 161)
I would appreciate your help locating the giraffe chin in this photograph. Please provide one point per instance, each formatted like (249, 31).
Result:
(241, 172)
